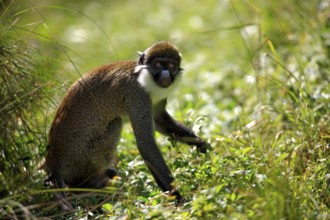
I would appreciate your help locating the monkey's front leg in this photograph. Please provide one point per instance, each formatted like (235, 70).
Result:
(165, 124)
(141, 120)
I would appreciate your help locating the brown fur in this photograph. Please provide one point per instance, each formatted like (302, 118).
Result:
(87, 125)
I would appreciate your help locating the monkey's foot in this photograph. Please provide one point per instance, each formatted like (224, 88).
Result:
(111, 172)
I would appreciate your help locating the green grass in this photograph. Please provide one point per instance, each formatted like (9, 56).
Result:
(256, 88)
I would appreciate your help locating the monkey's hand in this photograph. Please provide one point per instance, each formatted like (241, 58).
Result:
(179, 200)
(201, 145)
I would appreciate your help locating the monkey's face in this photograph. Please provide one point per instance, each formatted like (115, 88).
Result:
(159, 70)
(162, 60)
(163, 70)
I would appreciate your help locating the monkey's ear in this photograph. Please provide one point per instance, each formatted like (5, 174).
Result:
(141, 57)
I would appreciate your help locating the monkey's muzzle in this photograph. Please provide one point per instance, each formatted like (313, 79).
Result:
(165, 79)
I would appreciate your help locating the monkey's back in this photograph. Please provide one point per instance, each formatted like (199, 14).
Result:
(87, 124)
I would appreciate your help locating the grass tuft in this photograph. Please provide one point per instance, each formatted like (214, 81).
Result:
(256, 87)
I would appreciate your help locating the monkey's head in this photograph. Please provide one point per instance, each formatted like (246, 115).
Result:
(163, 61)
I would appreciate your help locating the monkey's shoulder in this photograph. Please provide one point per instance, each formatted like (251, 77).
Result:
(114, 68)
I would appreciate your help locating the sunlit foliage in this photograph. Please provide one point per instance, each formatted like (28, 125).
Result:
(256, 86)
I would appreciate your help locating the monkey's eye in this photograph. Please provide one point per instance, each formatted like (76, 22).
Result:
(158, 65)
(172, 66)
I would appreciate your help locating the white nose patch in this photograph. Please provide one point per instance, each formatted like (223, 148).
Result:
(165, 73)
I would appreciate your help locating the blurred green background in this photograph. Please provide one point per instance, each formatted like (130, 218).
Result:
(256, 87)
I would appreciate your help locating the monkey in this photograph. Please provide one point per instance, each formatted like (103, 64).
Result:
(87, 126)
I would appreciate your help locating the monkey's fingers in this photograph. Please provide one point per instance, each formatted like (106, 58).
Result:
(201, 145)
(179, 199)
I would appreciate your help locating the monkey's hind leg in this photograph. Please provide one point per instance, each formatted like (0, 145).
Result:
(104, 179)
(106, 154)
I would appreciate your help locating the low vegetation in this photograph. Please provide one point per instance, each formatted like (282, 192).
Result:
(256, 87)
